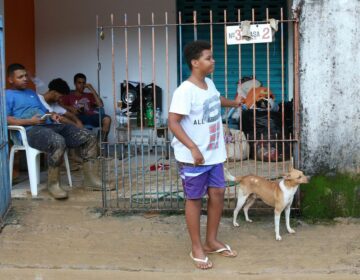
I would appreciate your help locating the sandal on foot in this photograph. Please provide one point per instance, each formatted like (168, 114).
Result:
(225, 252)
(198, 262)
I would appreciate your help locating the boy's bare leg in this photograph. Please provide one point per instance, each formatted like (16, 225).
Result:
(192, 216)
(106, 122)
(215, 208)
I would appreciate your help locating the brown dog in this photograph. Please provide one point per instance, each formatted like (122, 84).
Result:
(279, 195)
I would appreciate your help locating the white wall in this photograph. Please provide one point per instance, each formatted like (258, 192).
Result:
(329, 85)
(66, 43)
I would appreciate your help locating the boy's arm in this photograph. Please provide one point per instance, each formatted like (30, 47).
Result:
(97, 99)
(174, 125)
(231, 103)
(33, 121)
(65, 120)
(74, 119)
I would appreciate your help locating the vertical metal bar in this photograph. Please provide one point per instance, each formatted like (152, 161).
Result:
(103, 194)
(122, 174)
(148, 165)
(169, 146)
(296, 90)
(268, 96)
(154, 98)
(282, 89)
(167, 63)
(297, 101)
(225, 57)
(141, 108)
(262, 154)
(239, 46)
(180, 49)
(211, 38)
(276, 154)
(136, 173)
(163, 169)
(248, 165)
(140, 76)
(240, 108)
(98, 52)
(195, 25)
(254, 75)
(127, 74)
(114, 95)
(226, 91)
(127, 109)
(290, 148)
(153, 61)
(167, 100)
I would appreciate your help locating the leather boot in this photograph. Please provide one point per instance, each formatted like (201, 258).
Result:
(54, 183)
(91, 176)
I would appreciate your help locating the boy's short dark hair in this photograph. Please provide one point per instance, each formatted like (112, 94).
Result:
(13, 67)
(59, 85)
(79, 76)
(194, 49)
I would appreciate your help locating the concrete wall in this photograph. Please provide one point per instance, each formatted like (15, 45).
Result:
(330, 88)
(66, 43)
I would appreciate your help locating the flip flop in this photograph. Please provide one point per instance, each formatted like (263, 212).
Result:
(197, 262)
(221, 251)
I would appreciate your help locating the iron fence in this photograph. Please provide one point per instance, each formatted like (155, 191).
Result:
(140, 160)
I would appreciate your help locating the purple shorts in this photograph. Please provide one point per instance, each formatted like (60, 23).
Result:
(197, 179)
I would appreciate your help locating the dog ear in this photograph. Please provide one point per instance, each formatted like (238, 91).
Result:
(291, 164)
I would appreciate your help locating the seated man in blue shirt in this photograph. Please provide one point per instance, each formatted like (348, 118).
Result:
(48, 135)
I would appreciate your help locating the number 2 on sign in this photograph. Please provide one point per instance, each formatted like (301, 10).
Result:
(266, 34)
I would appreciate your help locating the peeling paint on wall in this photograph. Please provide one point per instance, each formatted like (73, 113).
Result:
(330, 85)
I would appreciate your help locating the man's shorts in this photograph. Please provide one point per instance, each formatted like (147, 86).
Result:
(197, 179)
(93, 120)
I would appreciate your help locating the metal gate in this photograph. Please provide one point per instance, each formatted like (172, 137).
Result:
(5, 194)
(139, 160)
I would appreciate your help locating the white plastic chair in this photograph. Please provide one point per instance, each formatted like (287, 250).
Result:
(32, 158)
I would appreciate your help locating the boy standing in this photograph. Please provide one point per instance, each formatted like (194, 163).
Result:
(195, 120)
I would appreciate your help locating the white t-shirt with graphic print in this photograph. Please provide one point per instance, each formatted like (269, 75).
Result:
(55, 107)
(201, 122)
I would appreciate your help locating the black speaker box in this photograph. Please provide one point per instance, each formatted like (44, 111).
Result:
(131, 98)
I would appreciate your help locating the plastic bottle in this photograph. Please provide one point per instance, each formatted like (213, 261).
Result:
(149, 112)
(158, 117)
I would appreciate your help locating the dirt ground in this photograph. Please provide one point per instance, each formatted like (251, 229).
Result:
(47, 239)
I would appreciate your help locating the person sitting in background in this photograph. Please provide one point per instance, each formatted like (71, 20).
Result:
(57, 88)
(24, 108)
(87, 106)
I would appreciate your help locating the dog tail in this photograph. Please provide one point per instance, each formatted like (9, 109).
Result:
(228, 176)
